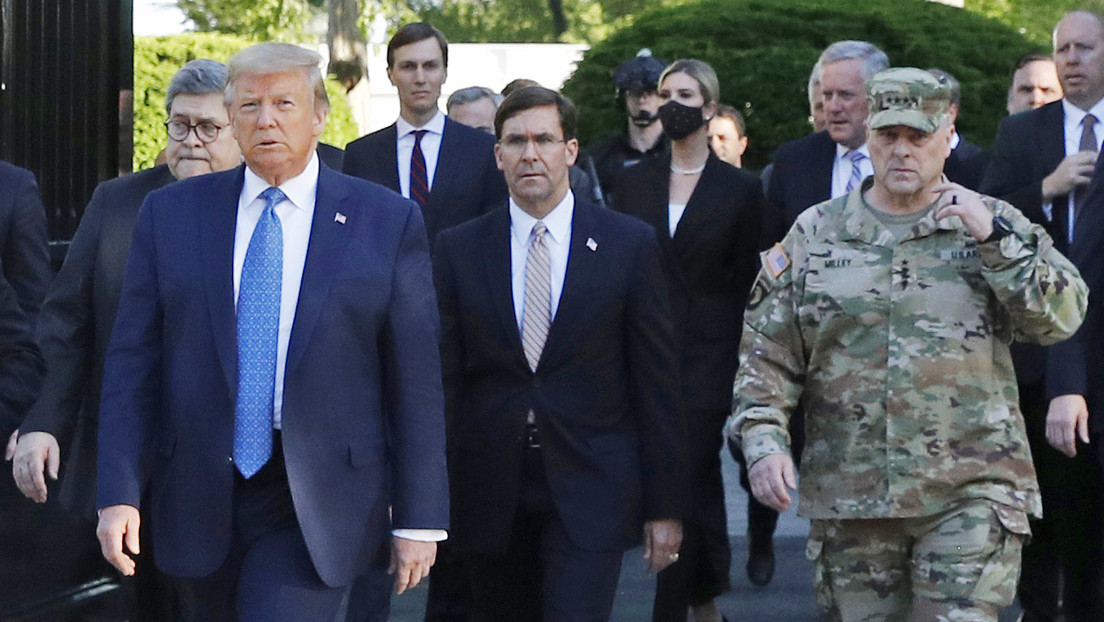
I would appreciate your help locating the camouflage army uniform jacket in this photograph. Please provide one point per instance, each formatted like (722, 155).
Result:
(899, 350)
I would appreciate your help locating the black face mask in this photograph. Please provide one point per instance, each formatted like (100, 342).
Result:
(680, 121)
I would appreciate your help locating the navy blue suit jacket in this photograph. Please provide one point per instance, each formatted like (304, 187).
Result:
(1028, 147)
(466, 182)
(604, 394)
(1075, 366)
(25, 265)
(23, 235)
(966, 164)
(364, 334)
(75, 325)
(801, 178)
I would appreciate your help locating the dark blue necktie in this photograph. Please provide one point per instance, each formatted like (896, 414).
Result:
(258, 332)
(419, 178)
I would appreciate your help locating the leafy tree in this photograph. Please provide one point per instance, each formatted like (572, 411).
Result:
(261, 20)
(516, 21)
(763, 51)
(1035, 19)
(156, 59)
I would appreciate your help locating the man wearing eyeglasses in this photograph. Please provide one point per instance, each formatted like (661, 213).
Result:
(79, 311)
(565, 445)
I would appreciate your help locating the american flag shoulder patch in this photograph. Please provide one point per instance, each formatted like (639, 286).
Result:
(777, 261)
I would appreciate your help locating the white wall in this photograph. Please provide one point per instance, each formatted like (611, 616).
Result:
(470, 64)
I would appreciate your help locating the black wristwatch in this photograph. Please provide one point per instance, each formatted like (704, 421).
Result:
(1001, 229)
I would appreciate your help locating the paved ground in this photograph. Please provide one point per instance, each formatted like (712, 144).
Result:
(789, 597)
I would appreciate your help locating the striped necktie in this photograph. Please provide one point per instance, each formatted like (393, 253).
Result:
(419, 178)
(537, 313)
(258, 332)
(856, 178)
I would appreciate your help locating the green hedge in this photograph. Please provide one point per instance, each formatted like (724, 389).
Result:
(1034, 18)
(763, 51)
(156, 59)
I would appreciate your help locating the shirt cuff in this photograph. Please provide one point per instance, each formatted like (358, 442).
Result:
(421, 535)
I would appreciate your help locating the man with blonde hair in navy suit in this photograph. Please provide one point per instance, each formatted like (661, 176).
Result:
(274, 370)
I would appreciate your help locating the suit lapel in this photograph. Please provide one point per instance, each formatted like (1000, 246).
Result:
(389, 157)
(577, 280)
(826, 159)
(218, 222)
(451, 150)
(496, 262)
(702, 203)
(1052, 136)
(1052, 149)
(325, 254)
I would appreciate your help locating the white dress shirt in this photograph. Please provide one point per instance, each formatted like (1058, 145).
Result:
(674, 216)
(296, 213)
(431, 146)
(841, 168)
(558, 240)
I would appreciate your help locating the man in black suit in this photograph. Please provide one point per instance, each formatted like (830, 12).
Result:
(79, 312)
(25, 267)
(828, 164)
(967, 161)
(25, 272)
(446, 167)
(565, 444)
(1034, 83)
(23, 239)
(1041, 161)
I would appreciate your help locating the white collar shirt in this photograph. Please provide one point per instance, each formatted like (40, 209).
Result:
(431, 147)
(841, 168)
(558, 240)
(296, 213)
(1072, 116)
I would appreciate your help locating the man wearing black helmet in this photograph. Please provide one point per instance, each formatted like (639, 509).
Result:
(636, 81)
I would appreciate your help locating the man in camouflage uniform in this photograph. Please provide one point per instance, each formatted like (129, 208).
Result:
(889, 311)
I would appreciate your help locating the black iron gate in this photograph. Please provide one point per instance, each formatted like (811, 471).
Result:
(66, 71)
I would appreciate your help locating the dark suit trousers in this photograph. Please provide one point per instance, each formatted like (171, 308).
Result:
(701, 573)
(543, 577)
(449, 598)
(1064, 561)
(268, 574)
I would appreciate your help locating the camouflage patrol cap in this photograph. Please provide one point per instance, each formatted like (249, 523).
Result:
(907, 96)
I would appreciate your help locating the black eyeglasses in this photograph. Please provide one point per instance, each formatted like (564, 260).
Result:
(206, 131)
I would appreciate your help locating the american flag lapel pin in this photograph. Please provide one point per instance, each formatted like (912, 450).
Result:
(339, 218)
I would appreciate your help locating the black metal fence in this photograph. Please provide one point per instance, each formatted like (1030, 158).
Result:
(66, 70)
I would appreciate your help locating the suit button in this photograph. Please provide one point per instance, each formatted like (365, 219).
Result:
(536, 382)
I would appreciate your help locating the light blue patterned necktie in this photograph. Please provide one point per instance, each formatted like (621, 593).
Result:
(856, 178)
(258, 332)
